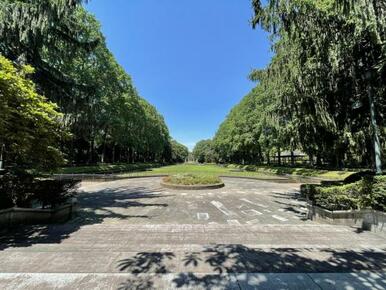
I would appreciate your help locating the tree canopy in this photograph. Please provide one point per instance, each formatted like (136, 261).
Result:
(323, 92)
(204, 152)
(29, 124)
(108, 120)
(179, 152)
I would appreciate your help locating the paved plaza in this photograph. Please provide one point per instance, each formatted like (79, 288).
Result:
(134, 234)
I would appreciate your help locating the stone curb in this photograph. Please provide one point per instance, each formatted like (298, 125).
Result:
(366, 219)
(18, 216)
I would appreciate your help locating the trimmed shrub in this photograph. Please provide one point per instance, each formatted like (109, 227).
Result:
(344, 197)
(16, 189)
(53, 192)
(369, 192)
(379, 193)
(22, 189)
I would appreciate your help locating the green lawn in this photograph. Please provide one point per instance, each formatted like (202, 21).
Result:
(263, 172)
(296, 171)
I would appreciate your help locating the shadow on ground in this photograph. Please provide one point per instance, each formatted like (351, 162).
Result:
(95, 208)
(217, 261)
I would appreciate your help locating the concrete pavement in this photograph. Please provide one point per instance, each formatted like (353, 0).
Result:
(133, 234)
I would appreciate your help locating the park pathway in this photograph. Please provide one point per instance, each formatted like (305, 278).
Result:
(133, 234)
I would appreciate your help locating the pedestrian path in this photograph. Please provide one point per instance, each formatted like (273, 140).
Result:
(133, 235)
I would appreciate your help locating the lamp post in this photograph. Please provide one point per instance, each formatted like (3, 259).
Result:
(376, 141)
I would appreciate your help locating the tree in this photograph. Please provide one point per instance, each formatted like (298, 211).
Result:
(204, 152)
(250, 133)
(108, 119)
(29, 125)
(179, 152)
(329, 55)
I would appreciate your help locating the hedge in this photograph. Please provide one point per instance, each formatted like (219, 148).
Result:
(369, 192)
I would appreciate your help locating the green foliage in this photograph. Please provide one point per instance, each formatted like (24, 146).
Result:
(51, 193)
(343, 197)
(328, 55)
(296, 171)
(179, 152)
(370, 192)
(313, 96)
(250, 133)
(108, 120)
(192, 179)
(378, 193)
(29, 124)
(18, 188)
(204, 152)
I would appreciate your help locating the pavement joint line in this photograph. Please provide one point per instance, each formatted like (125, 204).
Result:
(312, 279)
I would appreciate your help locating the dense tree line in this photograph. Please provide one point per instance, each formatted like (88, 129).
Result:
(106, 119)
(204, 152)
(324, 90)
(180, 152)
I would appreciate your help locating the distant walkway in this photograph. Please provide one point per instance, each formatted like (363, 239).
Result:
(133, 234)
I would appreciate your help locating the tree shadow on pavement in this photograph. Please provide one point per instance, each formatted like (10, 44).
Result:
(216, 266)
(95, 207)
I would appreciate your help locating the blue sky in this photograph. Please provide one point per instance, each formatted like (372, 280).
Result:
(190, 59)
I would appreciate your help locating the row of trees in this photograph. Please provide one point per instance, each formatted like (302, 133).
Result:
(322, 93)
(102, 118)
(204, 152)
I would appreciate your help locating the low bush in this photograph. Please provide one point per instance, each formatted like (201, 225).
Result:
(192, 179)
(369, 192)
(51, 193)
(22, 190)
(379, 193)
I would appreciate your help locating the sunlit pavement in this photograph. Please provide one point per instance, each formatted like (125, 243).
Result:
(133, 234)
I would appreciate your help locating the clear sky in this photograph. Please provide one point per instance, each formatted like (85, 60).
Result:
(190, 59)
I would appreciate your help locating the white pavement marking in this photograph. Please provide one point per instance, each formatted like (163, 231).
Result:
(222, 208)
(203, 216)
(251, 212)
(233, 222)
(279, 218)
(253, 222)
(254, 203)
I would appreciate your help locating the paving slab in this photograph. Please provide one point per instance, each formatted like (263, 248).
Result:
(133, 234)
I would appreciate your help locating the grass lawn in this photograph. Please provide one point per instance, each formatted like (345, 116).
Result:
(297, 171)
(263, 172)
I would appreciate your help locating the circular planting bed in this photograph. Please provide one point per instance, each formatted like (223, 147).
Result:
(191, 182)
